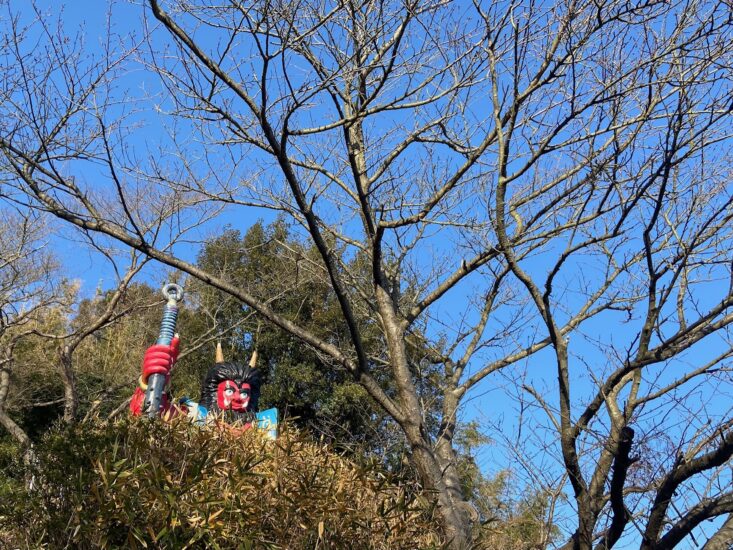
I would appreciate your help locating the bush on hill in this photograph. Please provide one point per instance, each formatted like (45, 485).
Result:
(140, 484)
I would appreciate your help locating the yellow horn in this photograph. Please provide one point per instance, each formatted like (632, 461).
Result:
(253, 360)
(219, 353)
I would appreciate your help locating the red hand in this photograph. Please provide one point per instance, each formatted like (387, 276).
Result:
(175, 343)
(138, 400)
(136, 403)
(159, 359)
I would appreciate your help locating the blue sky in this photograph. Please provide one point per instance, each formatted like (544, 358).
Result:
(89, 19)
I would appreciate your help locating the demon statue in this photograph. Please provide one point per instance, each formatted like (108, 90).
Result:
(229, 391)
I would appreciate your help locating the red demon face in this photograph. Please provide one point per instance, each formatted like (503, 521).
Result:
(229, 396)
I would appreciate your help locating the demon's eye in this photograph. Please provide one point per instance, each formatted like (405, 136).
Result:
(229, 392)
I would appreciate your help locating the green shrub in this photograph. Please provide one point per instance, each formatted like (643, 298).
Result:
(143, 484)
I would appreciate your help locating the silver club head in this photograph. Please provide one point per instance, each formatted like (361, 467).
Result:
(173, 293)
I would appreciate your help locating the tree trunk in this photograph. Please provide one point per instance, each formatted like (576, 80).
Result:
(582, 539)
(455, 522)
(448, 461)
(723, 538)
(9, 424)
(16, 431)
(71, 396)
(448, 458)
(454, 519)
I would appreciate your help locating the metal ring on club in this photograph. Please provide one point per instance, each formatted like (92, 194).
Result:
(173, 292)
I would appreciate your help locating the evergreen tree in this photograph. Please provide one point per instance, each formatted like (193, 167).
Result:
(269, 262)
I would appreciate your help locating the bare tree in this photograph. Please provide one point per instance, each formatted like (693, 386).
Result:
(27, 291)
(70, 338)
(517, 177)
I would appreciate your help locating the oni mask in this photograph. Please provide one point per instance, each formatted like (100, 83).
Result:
(230, 395)
(231, 389)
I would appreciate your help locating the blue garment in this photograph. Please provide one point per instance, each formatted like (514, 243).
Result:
(266, 420)
(196, 412)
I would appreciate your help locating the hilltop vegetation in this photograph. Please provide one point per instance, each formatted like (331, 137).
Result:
(141, 484)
